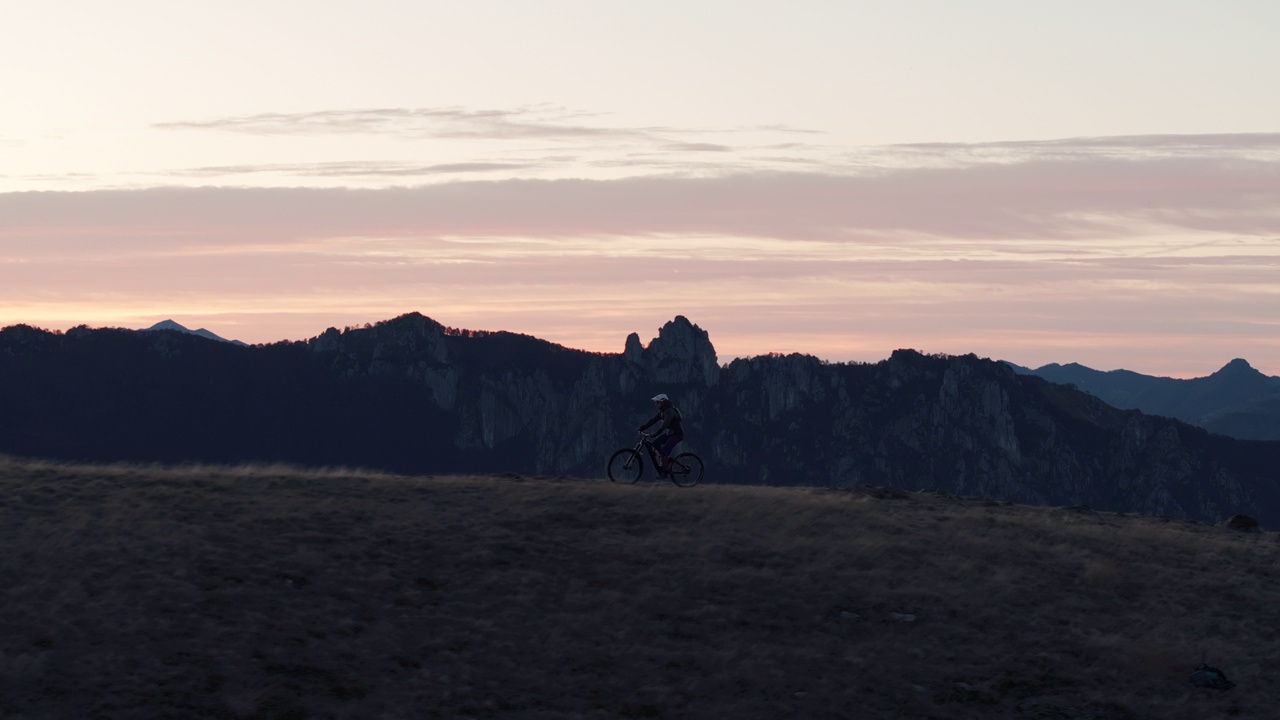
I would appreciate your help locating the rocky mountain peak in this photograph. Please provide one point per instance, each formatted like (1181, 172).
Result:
(412, 335)
(682, 353)
(633, 352)
(1238, 367)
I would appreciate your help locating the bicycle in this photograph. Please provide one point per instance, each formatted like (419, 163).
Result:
(627, 465)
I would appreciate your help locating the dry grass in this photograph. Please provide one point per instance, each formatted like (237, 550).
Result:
(271, 592)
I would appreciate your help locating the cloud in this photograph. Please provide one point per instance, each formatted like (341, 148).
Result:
(786, 129)
(448, 122)
(1133, 259)
(698, 147)
(597, 148)
(1064, 199)
(601, 152)
(1156, 140)
(532, 122)
(1205, 142)
(1245, 146)
(355, 169)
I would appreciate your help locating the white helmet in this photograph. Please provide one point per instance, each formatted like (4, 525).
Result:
(661, 398)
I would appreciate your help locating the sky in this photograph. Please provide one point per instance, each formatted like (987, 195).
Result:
(1032, 181)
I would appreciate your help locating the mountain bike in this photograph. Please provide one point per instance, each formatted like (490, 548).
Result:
(627, 465)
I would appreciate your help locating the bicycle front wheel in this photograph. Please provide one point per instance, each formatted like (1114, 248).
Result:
(686, 469)
(625, 466)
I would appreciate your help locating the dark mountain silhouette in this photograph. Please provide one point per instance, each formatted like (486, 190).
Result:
(1237, 400)
(411, 395)
(173, 325)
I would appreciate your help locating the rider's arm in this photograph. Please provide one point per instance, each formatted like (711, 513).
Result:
(651, 421)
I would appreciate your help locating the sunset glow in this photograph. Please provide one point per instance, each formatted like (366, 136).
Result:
(837, 179)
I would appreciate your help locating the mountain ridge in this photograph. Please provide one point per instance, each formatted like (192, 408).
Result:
(1236, 400)
(411, 395)
(178, 327)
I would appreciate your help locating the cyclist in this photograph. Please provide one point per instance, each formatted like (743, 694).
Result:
(670, 432)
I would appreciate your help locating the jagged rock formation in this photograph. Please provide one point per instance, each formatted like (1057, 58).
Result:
(411, 395)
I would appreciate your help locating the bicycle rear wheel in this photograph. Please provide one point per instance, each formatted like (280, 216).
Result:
(686, 469)
(625, 466)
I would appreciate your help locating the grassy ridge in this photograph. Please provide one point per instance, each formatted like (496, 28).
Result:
(271, 592)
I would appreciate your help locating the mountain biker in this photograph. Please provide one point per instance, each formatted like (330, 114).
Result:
(670, 432)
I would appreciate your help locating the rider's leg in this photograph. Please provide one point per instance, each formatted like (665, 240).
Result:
(668, 444)
(660, 455)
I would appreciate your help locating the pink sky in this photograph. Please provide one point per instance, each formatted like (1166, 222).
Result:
(1092, 182)
(1157, 254)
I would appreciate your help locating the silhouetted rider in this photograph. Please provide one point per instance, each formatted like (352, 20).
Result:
(670, 433)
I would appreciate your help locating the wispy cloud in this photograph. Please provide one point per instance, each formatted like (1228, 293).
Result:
(1245, 146)
(1126, 256)
(786, 129)
(355, 169)
(1064, 199)
(526, 142)
(539, 123)
(698, 147)
(601, 151)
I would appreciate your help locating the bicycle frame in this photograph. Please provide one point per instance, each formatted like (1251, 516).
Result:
(646, 443)
(685, 469)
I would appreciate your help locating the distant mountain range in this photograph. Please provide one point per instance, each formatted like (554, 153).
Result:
(1237, 400)
(171, 325)
(411, 395)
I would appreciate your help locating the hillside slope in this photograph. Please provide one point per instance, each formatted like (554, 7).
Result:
(268, 592)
